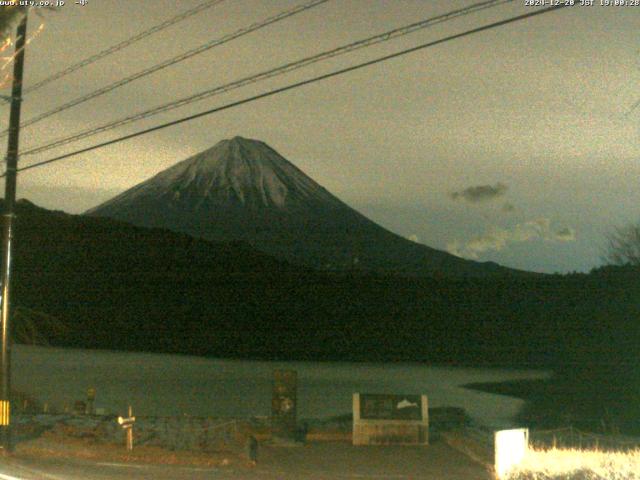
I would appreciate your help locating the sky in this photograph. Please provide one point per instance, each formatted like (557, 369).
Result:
(517, 145)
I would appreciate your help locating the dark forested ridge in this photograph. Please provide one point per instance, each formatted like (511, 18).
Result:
(119, 286)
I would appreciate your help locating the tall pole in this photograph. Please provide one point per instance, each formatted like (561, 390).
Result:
(9, 204)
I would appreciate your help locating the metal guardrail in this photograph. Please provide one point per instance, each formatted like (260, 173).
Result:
(565, 437)
(188, 433)
(175, 433)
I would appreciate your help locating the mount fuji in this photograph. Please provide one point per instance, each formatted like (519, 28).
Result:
(242, 189)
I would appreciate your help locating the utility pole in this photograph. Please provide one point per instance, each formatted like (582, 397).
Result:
(9, 204)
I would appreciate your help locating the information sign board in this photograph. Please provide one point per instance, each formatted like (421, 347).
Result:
(390, 407)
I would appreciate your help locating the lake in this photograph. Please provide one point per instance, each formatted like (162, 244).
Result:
(168, 385)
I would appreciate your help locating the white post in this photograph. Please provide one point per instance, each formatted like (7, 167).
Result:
(510, 448)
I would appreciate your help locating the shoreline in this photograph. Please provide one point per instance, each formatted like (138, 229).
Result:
(523, 389)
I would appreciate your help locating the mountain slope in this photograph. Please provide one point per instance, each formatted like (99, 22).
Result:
(244, 190)
(113, 285)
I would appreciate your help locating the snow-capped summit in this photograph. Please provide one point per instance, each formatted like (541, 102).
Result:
(236, 172)
(242, 189)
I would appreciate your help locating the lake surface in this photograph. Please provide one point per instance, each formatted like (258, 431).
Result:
(156, 384)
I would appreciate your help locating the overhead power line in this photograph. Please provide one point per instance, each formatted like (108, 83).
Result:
(172, 61)
(119, 46)
(286, 68)
(296, 85)
(632, 109)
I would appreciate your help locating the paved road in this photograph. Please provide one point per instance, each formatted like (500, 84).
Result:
(314, 462)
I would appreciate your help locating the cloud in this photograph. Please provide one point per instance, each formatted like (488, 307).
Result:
(498, 238)
(480, 193)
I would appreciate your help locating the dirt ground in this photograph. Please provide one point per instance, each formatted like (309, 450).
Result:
(313, 461)
(334, 460)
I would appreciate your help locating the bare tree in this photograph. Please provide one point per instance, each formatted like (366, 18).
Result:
(8, 16)
(623, 246)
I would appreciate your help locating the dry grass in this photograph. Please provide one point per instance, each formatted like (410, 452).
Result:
(568, 464)
(49, 445)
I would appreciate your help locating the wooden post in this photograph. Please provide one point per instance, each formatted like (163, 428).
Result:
(127, 424)
(130, 432)
(91, 397)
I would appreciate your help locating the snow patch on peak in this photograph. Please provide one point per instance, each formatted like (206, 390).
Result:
(247, 171)
(237, 171)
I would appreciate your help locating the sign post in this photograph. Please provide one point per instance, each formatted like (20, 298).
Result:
(127, 425)
(284, 403)
(381, 419)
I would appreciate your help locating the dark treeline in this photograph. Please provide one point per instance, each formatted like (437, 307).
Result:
(115, 286)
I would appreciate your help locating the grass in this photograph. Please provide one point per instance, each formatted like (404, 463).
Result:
(569, 464)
